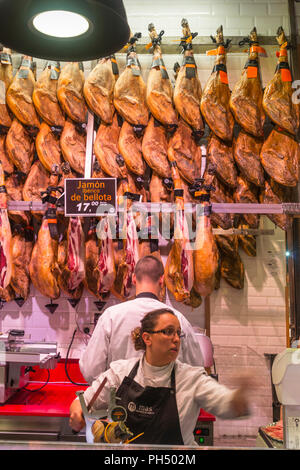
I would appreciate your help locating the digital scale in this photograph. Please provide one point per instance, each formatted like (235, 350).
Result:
(286, 379)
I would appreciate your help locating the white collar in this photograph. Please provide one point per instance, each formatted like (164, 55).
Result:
(150, 370)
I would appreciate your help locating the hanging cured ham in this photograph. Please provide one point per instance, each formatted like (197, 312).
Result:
(44, 96)
(104, 270)
(179, 268)
(106, 148)
(246, 193)
(130, 147)
(246, 153)
(99, 87)
(247, 241)
(216, 94)
(6, 78)
(8, 166)
(206, 255)
(159, 92)
(220, 157)
(130, 90)
(48, 147)
(14, 186)
(187, 90)
(274, 193)
(100, 261)
(20, 146)
(279, 156)
(97, 171)
(247, 94)
(160, 193)
(43, 267)
(277, 98)
(71, 259)
(155, 148)
(70, 92)
(36, 183)
(22, 246)
(219, 196)
(19, 96)
(232, 267)
(73, 146)
(123, 287)
(91, 258)
(5, 237)
(183, 149)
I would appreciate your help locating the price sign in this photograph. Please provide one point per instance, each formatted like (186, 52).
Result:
(90, 197)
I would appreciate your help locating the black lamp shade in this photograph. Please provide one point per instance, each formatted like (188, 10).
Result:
(108, 32)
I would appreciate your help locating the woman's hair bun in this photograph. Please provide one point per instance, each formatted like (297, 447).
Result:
(137, 339)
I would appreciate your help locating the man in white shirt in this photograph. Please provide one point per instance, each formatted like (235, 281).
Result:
(111, 339)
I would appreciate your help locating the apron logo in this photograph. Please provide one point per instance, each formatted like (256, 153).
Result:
(132, 406)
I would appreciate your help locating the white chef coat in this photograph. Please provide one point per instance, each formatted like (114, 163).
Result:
(194, 390)
(111, 338)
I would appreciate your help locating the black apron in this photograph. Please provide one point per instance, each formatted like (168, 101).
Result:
(150, 410)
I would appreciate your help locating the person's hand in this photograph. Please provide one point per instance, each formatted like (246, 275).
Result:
(76, 421)
(245, 383)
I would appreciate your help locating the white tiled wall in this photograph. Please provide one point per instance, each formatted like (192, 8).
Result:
(237, 17)
(245, 324)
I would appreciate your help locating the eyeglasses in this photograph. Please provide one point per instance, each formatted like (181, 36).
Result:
(169, 332)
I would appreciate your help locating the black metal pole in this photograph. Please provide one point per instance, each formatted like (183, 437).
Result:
(293, 239)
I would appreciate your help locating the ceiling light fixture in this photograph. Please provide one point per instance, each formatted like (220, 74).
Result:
(60, 23)
(81, 30)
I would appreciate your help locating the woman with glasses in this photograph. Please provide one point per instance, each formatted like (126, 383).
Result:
(161, 395)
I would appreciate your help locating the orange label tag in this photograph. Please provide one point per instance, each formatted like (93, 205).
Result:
(212, 52)
(286, 75)
(219, 51)
(223, 76)
(260, 50)
(281, 53)
(251, 72)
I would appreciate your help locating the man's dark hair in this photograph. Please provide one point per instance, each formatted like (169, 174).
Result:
(149, 267)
